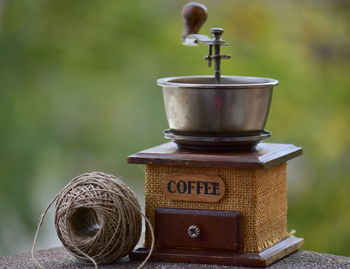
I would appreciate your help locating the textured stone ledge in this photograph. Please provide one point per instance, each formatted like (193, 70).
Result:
(59, 258)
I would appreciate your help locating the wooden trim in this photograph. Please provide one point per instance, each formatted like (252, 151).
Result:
(259, 259)
(266, 155)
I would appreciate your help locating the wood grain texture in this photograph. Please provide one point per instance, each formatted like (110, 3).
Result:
(218, 229)
(265, 156)
(194, 15)
(193, 187)
(261, 259)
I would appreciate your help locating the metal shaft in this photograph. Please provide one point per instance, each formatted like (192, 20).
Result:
(217, 63)
(217, 32)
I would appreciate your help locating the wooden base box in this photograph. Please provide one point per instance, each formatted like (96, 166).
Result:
(218, 208)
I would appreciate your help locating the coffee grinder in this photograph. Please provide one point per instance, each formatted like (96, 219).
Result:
(216, 194)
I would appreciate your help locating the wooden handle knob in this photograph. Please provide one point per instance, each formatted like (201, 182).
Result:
(194, 15)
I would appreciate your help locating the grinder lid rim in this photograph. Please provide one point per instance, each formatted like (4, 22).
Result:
(209, 82)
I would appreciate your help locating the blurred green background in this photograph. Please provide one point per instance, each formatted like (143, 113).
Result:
(78, 94)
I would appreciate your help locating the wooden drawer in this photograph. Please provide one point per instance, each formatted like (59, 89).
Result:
(209, 229)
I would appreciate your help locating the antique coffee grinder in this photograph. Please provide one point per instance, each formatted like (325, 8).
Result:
(215, 194)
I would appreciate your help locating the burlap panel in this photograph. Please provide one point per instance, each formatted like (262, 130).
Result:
(259, 194)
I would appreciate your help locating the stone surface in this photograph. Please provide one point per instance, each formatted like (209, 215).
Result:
(59, 258)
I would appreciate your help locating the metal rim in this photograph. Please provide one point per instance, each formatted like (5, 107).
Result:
(252, 82)
(216, 139)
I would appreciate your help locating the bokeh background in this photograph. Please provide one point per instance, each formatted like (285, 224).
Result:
(78, 94)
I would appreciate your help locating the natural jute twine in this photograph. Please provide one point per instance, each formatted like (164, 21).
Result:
(98, 219)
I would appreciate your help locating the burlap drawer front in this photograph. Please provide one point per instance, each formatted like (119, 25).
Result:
(259, 194)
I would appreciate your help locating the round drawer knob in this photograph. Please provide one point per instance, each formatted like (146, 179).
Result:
(193, 231)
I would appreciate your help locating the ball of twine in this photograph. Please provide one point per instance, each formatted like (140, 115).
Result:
(98, 218)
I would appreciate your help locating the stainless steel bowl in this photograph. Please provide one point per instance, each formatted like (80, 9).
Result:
(196, 104)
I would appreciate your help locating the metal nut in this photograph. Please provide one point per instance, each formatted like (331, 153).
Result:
(193, 231)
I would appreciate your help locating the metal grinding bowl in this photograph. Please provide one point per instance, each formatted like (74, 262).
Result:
(214, 112)
(197, 105)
